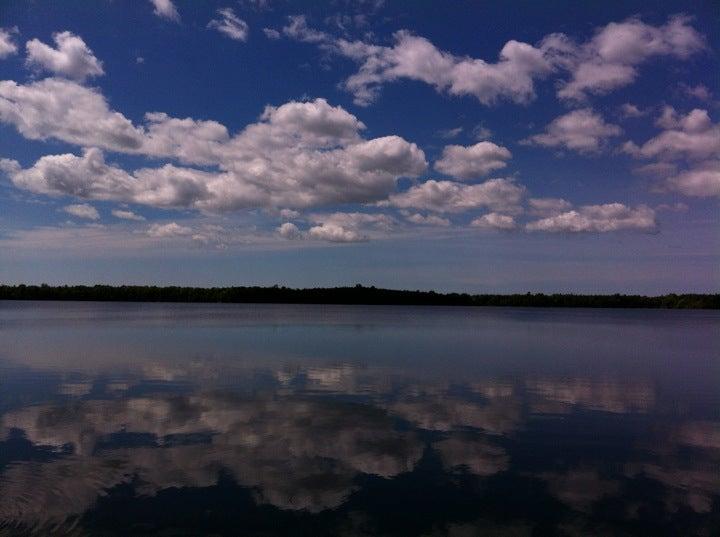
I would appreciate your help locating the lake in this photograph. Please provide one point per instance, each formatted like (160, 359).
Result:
(196, 419)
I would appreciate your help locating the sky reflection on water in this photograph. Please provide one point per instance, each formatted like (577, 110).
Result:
(301, 420)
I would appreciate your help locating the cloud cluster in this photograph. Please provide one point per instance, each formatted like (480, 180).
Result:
(416, 58)
(7, 44)
(689, 143)
(494, 221)
(165, 9)
(307, 154)
(82, 210)
(451, 197)
(548, 206)
(582, 130)
(71, 57)
(124, 214)
(472, 162)
(607, 61)
(426, 219)
(599, 219)
(230, 24)
(340, 227)
(300, 154)
(171, 229)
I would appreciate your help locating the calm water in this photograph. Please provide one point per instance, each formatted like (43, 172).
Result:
(124, 419)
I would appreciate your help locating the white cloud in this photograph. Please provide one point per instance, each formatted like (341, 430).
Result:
(607, 61)
(672, 208)
(481, 132)
(66, 111)
(548, 206)
(171, 229)
(71, 58)
(416, 58)
(335, 233)
(473, 161)
(87, 177)
(356, 220)
(631, 110)
(583, 130)
(599, 219)
(7, 44)
(82, 210)
(300, 154)
(427, 220)
(352, 226)
(610, 59)
(700, 92)
(450, 197)
(165, 9)
(447, 134)
(693, 136)
(271, 33)
(702, 180)
(127, 215)
(687, 153)
(289, 231)
(289, 213)
(230, 24)
(494, 221)
(658, 169)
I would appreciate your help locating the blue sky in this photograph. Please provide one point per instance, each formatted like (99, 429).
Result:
(484, 147)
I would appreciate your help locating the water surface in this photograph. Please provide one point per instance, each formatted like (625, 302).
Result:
(175, 419)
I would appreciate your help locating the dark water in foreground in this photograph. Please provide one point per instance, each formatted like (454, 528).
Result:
(132, 419)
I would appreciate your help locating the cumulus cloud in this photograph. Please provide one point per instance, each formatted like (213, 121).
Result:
(66, 111)
(631, 110)
(548, 206)
(165, 9)
(271, 33)
(687, 153)
(82, 210)
(230, 24)
(289, 213)
(693, 136)
(598, 218)
(427, 220)
(451, 197)
(350, 227)
(448, 134)
(71, 57)
(171, 229)
(416, 58)
(473, 161)
(702, 180)
(289, 231)
(481, 132)
(699, 92)
(583, 130)
(609, 60)
(299, 154)
(335, 233)
(494, 221)
(7, 44)
(124, 214)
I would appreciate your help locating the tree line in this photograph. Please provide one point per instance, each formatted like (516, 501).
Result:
(357, 294)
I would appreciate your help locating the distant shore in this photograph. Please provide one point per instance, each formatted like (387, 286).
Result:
(349, 295)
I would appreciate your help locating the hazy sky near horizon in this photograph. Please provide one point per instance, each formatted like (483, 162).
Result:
(478, 146)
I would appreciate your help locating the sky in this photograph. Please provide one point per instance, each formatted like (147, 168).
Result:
(457, 146)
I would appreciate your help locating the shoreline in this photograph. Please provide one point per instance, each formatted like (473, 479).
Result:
(355, 295)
